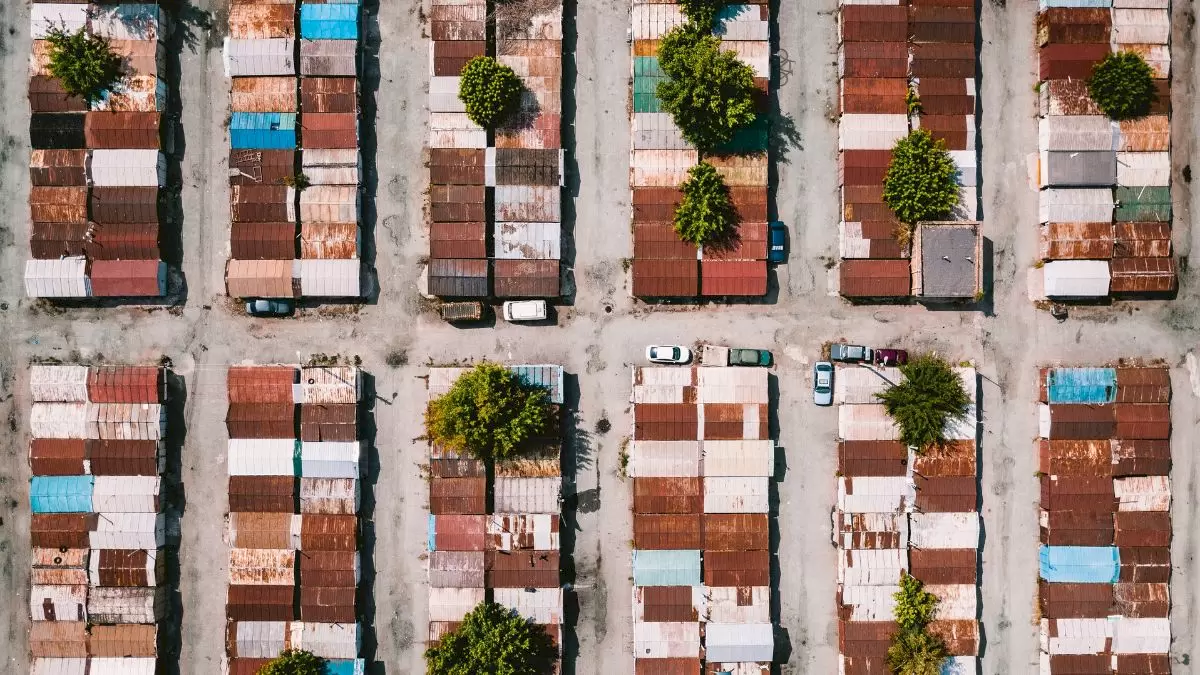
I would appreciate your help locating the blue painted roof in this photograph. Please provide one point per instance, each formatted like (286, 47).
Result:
(1082, 385)
(432, 545)
(61, 494)
(1080, 564)
(329, 22)
(262, 131)
(345, 667)
(666, 568)
(271, 120)
(550, 377)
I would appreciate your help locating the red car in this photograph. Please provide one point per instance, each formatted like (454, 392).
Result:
(890, 357)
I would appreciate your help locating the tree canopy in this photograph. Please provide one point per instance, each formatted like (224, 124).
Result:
(915, 606)
(703, 13)
(705, 215)
(921, 182)
(294, 662)
(916, 653)
(709, 93)
(490, 90)
(489, 412)
(1122, 85)
(85, 64)
(931, 396)
(492, 639)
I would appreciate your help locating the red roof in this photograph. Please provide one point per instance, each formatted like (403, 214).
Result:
(733, 277)
(876, 278)
(124, 384)
(665, 278)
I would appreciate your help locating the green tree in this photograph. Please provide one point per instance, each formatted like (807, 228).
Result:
(921, 181)
(705, 214)
(490, 90)
(915, 606)
(916, 653)
(931, 396)
(495, 640)
(1122, 84)
(703, 13)
(489, 412)
(294, 662)
(86, 65)
(710, 93)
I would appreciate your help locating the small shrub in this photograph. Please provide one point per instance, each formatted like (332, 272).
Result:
(913, 101)
(294, 662)
(1122, 85)
(921, 181)
(706, 213)
(85, 64)
(490, 90)
(299, 181)
(396, 358)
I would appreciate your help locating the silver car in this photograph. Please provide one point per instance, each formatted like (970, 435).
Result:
(668, 354)
(823, 383)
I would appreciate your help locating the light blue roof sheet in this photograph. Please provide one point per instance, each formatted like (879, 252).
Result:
(329, 21)
(666, 568)
(61, 494)
(1080, 564)
(1082, 385)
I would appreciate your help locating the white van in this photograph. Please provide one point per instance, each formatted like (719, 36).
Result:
(525, 310)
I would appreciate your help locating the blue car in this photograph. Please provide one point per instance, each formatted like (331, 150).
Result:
(777, 243)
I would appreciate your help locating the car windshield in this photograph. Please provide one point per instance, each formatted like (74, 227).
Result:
(675, 352)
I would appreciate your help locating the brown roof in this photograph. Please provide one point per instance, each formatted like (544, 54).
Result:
(260, 167)
(725, 421)
(123, 568)
(1073, 25)
(946, 494)
(58, 204)
(875, 59)
(737, 568)
(667, 603)
(58, 167)
(665, 278)
(875, 278)
(874, 23)
(259, 203)
(61, 530)
(120, 130)
(329, 95)
(1075, 601)
(261, 420)
(111, 457)
(665, 422)
(124, 204)
(460, 532)
(327, 604)
(262, 494)
(865, 638)
(1143, 275)
(941, 24)
(655, 204)
(328, 532)
(1142, 240)
(458, 240)
(1081, 421)
(449, 166)
(328, 568)
(1141, 458)
(263, 241)
(944, 566)
(58, 639)
(57, 456)
(1145, 564)
(1070, 61)
(125, 278)
(1143, 528)
(261, 384)
(125, 384)
(124, 640)
(522, 569)
(246, 666)
(328, 422)
(954, 458)
(261, 530)
(871, 458)
(262, 21)
(863, 167)
(749, 244)
(259, 603)
(1075, 458)
(46, 95)
(1143, 421)
(264, 94)
(1153, 664)
(658, 241)
(949, 128)
(874, 96)
(667, 495)
(525, 278)
(329, 130)
(943, 60)
(1076, 241)
(676, 666)
(456, 203)
(1085, 493)
(666, 531)
(961, 636)
(1142, 599)
(734, 277)
(450, 56)
(735, 531)
(329, 241)
(455, 468)
(457, 495)
(1077, 528)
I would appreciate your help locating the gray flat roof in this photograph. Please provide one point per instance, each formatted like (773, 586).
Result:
(948, 260)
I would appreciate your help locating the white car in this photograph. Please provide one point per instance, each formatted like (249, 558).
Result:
(823, 383)
(668, 354)
(525, 310)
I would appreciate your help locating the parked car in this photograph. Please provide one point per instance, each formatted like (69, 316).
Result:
(823, 383)
(668, 354)
(269, 307)
(777, 243)
(525, 310)
(841, 351)
(890, 357)
(749, 357)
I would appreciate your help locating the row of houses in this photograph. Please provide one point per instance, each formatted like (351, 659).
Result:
(294, 162)
(902, 512)
(1105, 201)
(497, 542)
(97, 167)
(98, 589)
(901, 67)
(1104, 456)
(702, 464)
(294, 461)
(511, 250)
(663, 266)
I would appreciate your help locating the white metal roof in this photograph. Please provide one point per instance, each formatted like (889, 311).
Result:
(652, 21)
(128, 21)
(955, 601)
(126, 494)
(126, 665)
(330, 384)
(656, 131)
(738, 458)
(126, 421)
(870, 603)
(528, 495)
(330, 459)
(58, 383)
(860, 384)
(327, 640)
(528, 241)
(329, 488)
(871, 132)
(1141, 635)
(664, 458)
(664, 375)
(1136, 169)
(539, 605)
(452, 604)
(1076, 278)
(330, 278)
(125, 605)
(455, 130)
(944, 530)
(262, 457)
(331, 166)
(272, 56)
(128, 530)
(503, 527)
(725, 604)
(1143, 493)
(261, 639)
(1075, 205)
(44, 16)
(1076, 636)
(59, 420)
(128, 168)
(60, 278)
(666, 639)
(875, 494)
(846, 523)
(443, 95)
(736, 495)
(658, 393)
(866, 423)
(739, 642)
(871, 567)
(732, 385)
(43, 666)
(66, 603)
(1077, 132)
(1141, 26)
(751, 51)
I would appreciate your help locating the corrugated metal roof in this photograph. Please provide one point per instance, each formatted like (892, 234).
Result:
(456, 569)
(262, 457)
(666, 568)
(665, 278)
(1076, 278)
(739, 642)
(122, 641)
(657, 639)
(244, 58)
(526, 278)
(944, 530)
(329, 496)
(533, 495)
(127, 494)
(65, 383)
(275, 567)
(328, 57)
(738, 458)
(262, 21)
(539, 605)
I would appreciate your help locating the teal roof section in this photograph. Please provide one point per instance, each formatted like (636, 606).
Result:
(666, 568)
(1143, 204)
(61, 494)
(646, 76)
(749, 139)
(1082, 385)
(546, 376)
(338, 21)
(1080, 564)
